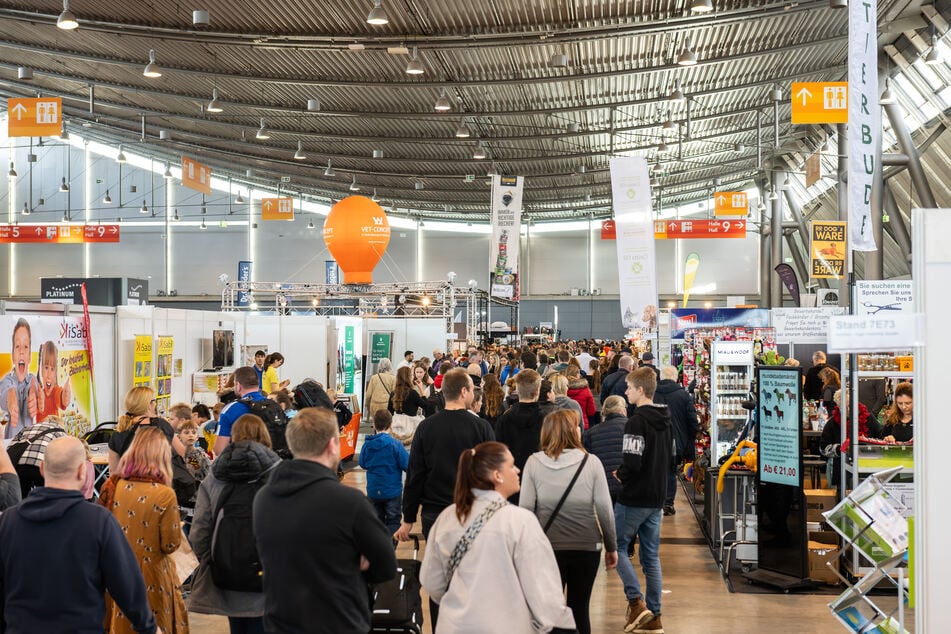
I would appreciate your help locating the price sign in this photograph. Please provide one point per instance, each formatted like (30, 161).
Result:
(780, 412)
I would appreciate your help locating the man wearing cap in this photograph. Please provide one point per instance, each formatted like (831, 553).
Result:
(647, 360)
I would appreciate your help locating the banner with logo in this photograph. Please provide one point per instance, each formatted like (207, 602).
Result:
(690, 273)
(244, 277)
(506, 229)
(44, 375)
(163, 374)
(827, 249)
(142, 361)
(865, 121)
(683, 319)
(630, 187)
(788, 276)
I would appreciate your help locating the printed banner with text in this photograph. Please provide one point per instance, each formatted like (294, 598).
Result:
(142, 361)
(506, 229)
(45, 375)
(630, 186)
(163, 375)
(865, 121)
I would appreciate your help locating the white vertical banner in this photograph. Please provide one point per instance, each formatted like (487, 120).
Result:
(506, 227)
(865, 121)
(630, 187)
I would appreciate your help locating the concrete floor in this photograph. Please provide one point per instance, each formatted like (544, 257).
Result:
(695, 599)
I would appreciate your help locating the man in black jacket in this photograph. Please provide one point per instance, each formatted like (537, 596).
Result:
(520, 427)
(320, 542)
(812, 384)
(648, 452)
(683, 418)
(614, 382)
(59, 554)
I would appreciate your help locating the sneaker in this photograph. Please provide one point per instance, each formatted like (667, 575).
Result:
(653, 626)
(669, 510)
(637, 614)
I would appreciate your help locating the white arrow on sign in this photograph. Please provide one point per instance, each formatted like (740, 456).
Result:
(721, 200)
(115, 230)
(267, 205)
(804, 94)
(19, 109)
(39, 231)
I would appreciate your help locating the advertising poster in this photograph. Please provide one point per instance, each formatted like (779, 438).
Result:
(244, 277)
(44, 375)
(142, 361)
(827, 250)
(780, 425)
(881, 298)
(865, 123)
(163, 375)
(685, 318)
(630, 188)
(506, 229)
(380, 343)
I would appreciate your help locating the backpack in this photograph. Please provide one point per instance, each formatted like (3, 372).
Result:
(311, 394)
(101, 434)
(235, 564)
(183, 482)
(344, 415)
(276, 421)
(16, 449)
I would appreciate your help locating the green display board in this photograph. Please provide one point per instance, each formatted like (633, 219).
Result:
(348, 359)
(380, 346)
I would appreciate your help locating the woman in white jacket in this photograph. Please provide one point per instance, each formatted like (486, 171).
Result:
(507, 579)
(575, 535)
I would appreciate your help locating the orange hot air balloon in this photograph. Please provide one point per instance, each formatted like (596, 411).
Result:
(357, 232)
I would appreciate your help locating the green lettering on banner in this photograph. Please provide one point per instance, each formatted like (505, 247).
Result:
(348, 359)
(866, 133)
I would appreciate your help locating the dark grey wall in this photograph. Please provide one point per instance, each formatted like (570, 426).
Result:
(581, 317)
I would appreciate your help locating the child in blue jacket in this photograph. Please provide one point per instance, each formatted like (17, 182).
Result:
(385, 459)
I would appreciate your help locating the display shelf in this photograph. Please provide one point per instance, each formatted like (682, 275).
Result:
(884, 374)
(869, 470)
(725, 392)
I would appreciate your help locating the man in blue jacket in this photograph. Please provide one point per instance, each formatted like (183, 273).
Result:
(59, 555)
(246, 385)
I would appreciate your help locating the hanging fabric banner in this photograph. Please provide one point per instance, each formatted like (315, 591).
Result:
(865, 121)
(788, 276)
(690, 272)
(506, 228)
(630, 187)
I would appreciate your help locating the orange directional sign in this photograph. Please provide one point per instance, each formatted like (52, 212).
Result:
(700, 228)
(35, 117)
(196, 175)
(101, 233)
(730, 204)
(277, 209)
(820, 102)
(58, 234)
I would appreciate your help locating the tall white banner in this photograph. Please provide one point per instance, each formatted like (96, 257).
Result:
(865, 121)
(506, 227)
(630, 186)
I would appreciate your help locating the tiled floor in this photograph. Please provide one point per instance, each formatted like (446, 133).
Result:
(695, 600)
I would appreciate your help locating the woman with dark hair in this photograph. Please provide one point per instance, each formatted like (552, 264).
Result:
(508, 577)
(899, 422)
(561, 485)
(407, 406)
(492, 397)
(510, 369)
(269, 380)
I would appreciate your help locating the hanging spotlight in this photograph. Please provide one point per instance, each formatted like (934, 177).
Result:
(107, 199)
(661, 147)
(442, 103)
(377, 15)
(12, 173)
(26, 210)
(144, 209)
(176, 217)
(462, 132)
(168, 171)
(65, 216)
(239, 200)
(64, 186)
(203, 225)
(415, 67)
(374, 197)
(838, 4)
(152, 69)
(701, 6)
(313, 105)
(558, 60)
(263, 134)
(479, 152)
(932, 57)
(310, 225)
(772, 195)
(120, 158)
(669, 124)
(787, 183)
(24, 73)
(299, 154)
(738, 147)
(687, 57)
(761, 206)
(330, 169)
(353, 185)
(887, 97)
(677, 94)
(66, 20)
(214, 105)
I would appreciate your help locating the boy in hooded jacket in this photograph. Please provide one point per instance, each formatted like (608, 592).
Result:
(385, 460)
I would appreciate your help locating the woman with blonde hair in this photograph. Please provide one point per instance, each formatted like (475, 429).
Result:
(139, 495)
(562, 483)
(379, 388)
(830, 384)
(139, 411)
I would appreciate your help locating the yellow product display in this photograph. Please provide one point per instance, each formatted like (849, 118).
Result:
(746, 458)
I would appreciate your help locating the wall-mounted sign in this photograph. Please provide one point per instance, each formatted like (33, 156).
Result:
(828, 249)
(881, 298)
(277, 208)
(730, 204)
(608, 230)
(196, 175)
(58, 234)
(853, 333)
(700, 228)
(35, 117)
(820, 102)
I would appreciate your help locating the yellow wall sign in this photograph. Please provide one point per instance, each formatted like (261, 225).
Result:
(828, 249)
(820, 102)
(277, 209)
(142, 359)
(41, 116)
(730, 204)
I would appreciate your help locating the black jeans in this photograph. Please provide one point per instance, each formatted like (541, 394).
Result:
(246, 625)
(578, 569)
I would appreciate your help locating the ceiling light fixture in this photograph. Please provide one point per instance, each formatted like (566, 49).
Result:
(66, 20)
(310, 225)
(479, 152)
(377, 16)
(558, 60)
(462, 132)
(239, 200)
(12, 173)
(26, 210)
(353, 184)
(887, 97)
(677, 94)
(738, 147)
(144, 209)
(152, 69)
(415, 67)
(263, 134)
(120, 157)
(838, 4)
(932, 57)
(64, 186)
(374, 197)
(442, 103)
(65, 216)
(168, 171)
(661, 147)
(203, 225)
(24, 73)
(313, 105)
(299, 154)
(214, 105)
(786, 182)
(687, 57)
(701, 6)
(176, 217)
(107, 199)
(418, 184)
(330, 169)
(669, 124)
(772, 195)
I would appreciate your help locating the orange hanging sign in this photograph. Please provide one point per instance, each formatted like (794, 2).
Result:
(277, 209)
(42, 116)
(820, 102)
(700, 228)
(58, 234)
(196, 176)
(730, 204)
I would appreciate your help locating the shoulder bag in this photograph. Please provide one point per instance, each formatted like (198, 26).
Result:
(561, 502)
(465, 542)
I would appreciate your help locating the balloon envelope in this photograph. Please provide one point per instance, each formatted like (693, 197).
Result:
(357, 233)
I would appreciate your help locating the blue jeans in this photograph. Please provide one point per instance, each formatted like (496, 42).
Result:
(645, 523)
(389, 511)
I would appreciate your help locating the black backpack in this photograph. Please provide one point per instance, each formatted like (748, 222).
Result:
(344, 415)
(16, 449)
(276, 420)
(311, 394)
(235, 564)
